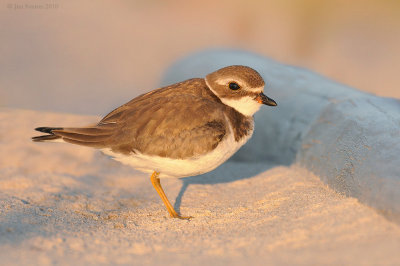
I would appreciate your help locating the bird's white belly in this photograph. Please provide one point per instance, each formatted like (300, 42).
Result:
(175, 168)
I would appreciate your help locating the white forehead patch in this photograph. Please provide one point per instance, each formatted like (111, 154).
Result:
(257, 89)
(245, 105)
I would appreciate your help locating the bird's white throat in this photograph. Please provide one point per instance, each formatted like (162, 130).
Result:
(245, 105)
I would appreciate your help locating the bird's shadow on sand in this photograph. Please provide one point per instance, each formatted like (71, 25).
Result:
(227, 172)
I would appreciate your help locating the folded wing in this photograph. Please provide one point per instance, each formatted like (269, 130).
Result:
(176, 127)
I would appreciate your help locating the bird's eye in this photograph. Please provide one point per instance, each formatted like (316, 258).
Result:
(234, 86)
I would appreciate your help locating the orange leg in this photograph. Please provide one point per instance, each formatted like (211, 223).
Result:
(157, 185)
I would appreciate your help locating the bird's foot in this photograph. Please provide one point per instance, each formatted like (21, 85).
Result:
(181, 217)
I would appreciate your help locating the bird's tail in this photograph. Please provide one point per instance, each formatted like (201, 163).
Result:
(93, 136)
(50, 135)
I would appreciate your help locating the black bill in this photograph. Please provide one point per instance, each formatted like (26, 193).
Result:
(264, 99)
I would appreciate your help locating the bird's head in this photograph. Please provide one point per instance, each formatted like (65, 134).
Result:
(239, 87)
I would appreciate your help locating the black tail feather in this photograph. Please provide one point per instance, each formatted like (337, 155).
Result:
(45, 137)
(47, 130)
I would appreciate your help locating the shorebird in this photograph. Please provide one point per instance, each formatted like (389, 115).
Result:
(185, 129)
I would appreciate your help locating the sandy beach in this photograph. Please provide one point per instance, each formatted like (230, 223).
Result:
(64, 204)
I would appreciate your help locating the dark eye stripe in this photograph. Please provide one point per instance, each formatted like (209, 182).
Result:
(234, 86)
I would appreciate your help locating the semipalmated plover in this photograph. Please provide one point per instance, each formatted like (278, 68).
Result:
(185, 129)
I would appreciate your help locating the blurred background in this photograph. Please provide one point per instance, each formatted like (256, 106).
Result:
(91, 56)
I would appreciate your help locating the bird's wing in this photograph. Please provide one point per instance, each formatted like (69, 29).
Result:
(175, 126)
